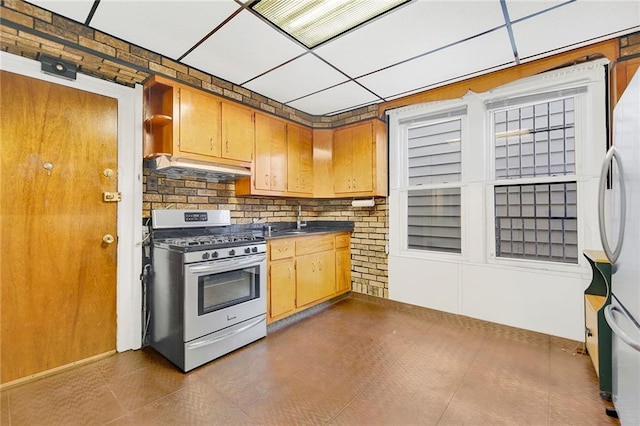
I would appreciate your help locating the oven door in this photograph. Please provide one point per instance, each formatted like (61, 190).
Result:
(222, 293)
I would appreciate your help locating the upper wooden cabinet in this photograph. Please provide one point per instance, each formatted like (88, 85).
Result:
(270, 159)
(181, 121)
(299, 159)
(360, 159)
(198, 123)
(238, 132)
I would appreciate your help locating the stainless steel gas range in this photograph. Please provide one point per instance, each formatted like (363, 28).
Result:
(207, 290)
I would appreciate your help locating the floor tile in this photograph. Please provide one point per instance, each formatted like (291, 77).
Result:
(352, 363)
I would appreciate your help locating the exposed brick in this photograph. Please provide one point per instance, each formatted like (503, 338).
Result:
(71, 26)
(199, 75)
(162, 69)
(18, 18)
(111, 41)
(28, 9)
(630, 50)
(100, 47)
(132, 59)
(143, 53)
(175, 65)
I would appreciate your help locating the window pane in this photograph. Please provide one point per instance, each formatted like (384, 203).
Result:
(434, 153)
(433, 220)
(536, 140)
(537, 221)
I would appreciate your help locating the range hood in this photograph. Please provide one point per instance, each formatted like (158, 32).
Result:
(177, 167)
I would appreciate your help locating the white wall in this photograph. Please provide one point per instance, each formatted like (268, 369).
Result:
(545, 297)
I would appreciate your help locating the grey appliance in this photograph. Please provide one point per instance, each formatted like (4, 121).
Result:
(206, 294)
(619, 208)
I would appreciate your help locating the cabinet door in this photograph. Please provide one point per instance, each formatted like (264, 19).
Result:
(278, 153)
(199, 123)
(282, 281)
(343, 270)
(299, 159)
(326, 271)
(362, 158)
(270, 154)
(237, 132)
(342, 148)
(306, 279)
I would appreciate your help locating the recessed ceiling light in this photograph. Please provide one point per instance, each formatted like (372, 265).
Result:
(312, 22)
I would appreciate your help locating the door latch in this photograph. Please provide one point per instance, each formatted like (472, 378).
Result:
(111, 197)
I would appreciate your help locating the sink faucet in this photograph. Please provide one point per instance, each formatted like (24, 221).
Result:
(299, 223)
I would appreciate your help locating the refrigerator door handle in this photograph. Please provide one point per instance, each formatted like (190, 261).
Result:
(608, 314)
(612, 255)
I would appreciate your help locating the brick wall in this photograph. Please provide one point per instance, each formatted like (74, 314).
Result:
(368, 241)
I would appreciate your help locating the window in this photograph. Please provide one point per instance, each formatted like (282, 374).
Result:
(502, 178)
(433, 164)
(536, 144)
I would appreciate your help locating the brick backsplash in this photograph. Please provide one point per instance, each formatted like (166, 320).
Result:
(368, 240)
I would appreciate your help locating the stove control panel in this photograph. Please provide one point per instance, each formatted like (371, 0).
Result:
(224, 253)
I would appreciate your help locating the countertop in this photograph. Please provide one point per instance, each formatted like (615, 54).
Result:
(288, 229)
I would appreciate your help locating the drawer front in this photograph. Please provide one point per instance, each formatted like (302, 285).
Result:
(314, 244)
(342, 241)
(281, 249)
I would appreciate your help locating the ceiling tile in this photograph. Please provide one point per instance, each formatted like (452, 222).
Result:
(417, 28)
(309, 73)
(472, 56)
(166, 27)
(573, 23)
(243, 49)
(78, 10)
(339, 98)
(519, 9)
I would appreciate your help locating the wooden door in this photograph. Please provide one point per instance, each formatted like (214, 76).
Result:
(262, 161)
(306, 279)
(237, 132)
(283, 287)
(342, 148)
(299, 159)
(199, 123)
(343, 269)
(278, 155)
(362, 158)
(58, 282)
(326, 273)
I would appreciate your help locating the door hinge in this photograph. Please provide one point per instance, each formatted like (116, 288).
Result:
(111, 197)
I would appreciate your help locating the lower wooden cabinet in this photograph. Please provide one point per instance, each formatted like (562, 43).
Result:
(306, 270)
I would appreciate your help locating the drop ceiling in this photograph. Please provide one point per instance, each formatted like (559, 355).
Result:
(419, 45)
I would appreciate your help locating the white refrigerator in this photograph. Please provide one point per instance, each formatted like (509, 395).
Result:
(619, 212)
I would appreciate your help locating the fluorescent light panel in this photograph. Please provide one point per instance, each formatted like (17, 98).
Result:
(312, 22)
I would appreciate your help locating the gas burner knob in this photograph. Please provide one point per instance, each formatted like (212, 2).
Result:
(205, 256)
(232, 252)
(254, 249)
(247, 250)
(214, 254)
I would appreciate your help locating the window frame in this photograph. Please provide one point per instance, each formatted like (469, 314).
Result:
(477, 183)
(423, 116)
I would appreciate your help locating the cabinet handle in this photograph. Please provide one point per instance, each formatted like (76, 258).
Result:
(313, 266)
(319, 265)
(354, 183)
(227, 147)
(211, 143)
(348, 183)
(275, 180)
(266, 180)
(283, 249)
(289, 271)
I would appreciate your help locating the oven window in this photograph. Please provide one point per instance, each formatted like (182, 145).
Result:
(224, 289)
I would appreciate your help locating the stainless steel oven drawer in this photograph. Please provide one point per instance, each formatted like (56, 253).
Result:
(207, 348)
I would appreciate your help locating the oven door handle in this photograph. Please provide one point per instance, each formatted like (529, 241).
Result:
(224, 336)
(227, 264)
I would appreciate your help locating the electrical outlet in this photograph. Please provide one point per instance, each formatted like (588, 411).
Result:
(152, 183)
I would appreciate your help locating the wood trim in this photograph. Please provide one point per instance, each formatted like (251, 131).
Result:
(609, 49)
(62, 368)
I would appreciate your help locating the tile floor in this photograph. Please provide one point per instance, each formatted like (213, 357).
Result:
(354, 363)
